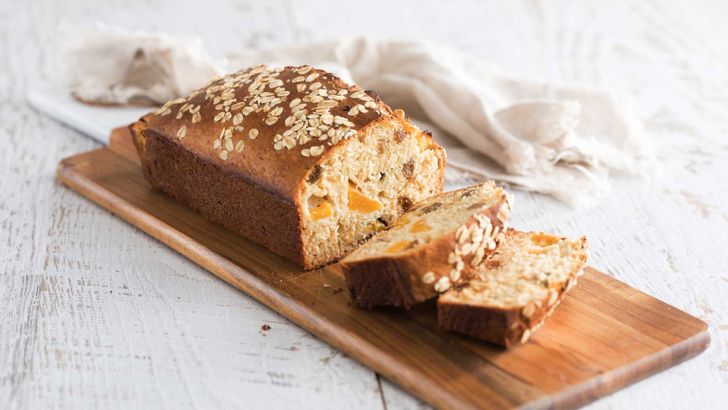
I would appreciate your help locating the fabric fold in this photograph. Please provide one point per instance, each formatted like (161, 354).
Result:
(564, 141)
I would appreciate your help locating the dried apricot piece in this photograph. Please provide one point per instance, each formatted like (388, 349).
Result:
(420, 226)
(322, 210)
(359, 202)
(398, 246)
(542, 239)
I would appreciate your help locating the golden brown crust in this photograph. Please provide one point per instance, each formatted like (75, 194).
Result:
(232, 107)
(491, 325)
(237, 205)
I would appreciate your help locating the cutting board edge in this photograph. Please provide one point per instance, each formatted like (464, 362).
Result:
(610, 382)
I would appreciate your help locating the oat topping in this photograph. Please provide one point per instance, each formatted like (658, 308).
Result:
(442, 284)
(428, 278)
(475, 241)
(261, 91)
(182, 132)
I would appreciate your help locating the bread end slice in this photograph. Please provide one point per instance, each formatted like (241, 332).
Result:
(516, 290)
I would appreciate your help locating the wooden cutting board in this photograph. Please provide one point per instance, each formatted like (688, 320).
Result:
(605, 335)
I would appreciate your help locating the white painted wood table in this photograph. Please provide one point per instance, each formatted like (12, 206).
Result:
(95, 314)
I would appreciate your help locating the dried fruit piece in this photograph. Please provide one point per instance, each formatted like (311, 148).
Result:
(420, 226)
(359, 202)
(542, 239)
(322, 210)
(408, 169)
(403, 220)
(398, 246)
(375, 226)
(404, 203)
(315, 174)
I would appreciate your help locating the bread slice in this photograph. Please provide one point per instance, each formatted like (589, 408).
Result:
(516, 289)
(436, 245)
(292, 158)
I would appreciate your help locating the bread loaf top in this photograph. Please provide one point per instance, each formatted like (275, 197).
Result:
(271, 126)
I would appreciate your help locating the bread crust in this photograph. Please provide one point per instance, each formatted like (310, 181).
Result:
(284, 179)
(397, 279)
(481, 323)
(184, 149)
(239, 205)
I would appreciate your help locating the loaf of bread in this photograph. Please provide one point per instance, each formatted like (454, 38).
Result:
(434, 246)
(516, 289)
(292, 158)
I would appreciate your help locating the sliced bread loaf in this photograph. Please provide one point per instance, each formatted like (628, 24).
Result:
(436, 245)
(292, 158)
(516, 289)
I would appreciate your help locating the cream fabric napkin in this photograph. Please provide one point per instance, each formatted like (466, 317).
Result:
(565, 141)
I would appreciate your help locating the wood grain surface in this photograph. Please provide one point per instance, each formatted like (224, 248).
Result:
(96, 314)
(604, 336)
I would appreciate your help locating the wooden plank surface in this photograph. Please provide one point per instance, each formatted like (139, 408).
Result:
(89, 317)
(606, 334)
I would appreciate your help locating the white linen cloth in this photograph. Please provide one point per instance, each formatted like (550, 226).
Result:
(113, 66)
(564, 141)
